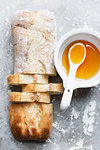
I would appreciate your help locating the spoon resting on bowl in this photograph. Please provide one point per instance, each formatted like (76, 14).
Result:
(76, 56)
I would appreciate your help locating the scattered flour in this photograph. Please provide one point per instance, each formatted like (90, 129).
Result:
(73, 25)
(88, 118)
(67, 8)
(97, 87)
(57, 127)
(67, 18)
(46, 1)
(75, 114)
(77, 146)
(7, 20)
(86, 26)
(90, 147)
(25, 19)
(61, 29)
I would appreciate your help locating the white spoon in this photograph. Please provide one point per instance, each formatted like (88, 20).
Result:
(66, 98)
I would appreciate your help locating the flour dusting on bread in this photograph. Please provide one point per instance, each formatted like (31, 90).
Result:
(34, 36)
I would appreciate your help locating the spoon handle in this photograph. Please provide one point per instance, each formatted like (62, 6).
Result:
(67, 96)
(66, 99)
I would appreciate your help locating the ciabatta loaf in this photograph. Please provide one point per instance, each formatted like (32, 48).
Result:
(52, 88)
(31, 121)
(34, 36)
(18, 79)
(29, 97)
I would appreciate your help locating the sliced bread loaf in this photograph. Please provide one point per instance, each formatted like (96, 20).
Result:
(29, 97)
(18, 79)
(52, 88)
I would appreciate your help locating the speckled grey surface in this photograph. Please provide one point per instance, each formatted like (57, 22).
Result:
(79, 127)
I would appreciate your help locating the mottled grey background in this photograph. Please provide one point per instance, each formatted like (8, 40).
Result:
(79, 127)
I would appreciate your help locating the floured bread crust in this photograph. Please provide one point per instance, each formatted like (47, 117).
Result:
(19, 79)
(31, 121)
(34, 36)
(29, 97)
(52, 88)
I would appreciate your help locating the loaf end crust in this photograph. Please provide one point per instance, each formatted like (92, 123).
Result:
(31, 121)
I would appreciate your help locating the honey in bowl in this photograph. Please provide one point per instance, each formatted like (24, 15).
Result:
(91, 64)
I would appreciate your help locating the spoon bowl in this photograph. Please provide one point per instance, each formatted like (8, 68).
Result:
(69, 55)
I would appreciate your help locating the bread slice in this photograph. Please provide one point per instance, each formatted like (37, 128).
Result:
(34, 36)
(29, 97)
(53, 88)
(31, 121)
(18, 79)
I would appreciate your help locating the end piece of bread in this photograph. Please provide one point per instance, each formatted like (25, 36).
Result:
(34, 36)
(18, 79)
(31, 121)
(52, 88)
(29, 97)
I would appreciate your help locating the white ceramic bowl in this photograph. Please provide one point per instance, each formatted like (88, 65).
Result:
(77, 34)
